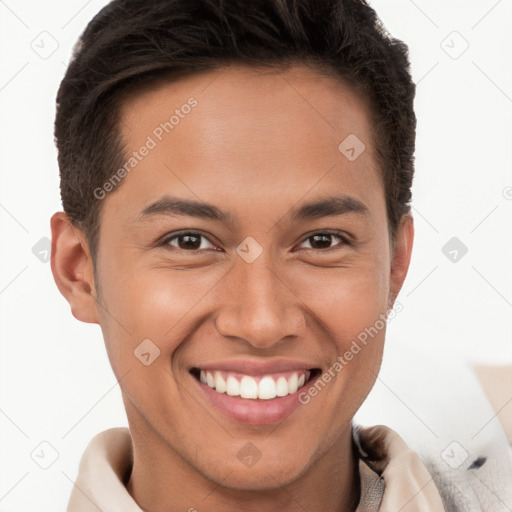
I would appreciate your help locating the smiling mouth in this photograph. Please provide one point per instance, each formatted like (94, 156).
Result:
(264, 387)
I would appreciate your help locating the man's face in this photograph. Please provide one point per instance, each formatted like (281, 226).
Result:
(261, 285)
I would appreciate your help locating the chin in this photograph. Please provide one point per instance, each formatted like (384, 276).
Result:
(263, 478)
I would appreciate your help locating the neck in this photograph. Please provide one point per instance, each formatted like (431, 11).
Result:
(162, 480)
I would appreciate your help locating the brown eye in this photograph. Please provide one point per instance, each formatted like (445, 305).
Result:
(189, 241)
(321, 241)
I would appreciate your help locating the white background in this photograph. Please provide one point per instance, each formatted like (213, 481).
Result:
(56, 382)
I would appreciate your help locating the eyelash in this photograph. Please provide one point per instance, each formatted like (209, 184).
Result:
(167, 240)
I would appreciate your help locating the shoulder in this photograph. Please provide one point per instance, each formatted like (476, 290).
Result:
(443, 414)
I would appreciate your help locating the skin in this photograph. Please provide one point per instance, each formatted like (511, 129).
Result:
(258, 144)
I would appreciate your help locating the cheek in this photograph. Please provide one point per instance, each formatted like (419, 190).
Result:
(346, 300)
(142, 323)
(154, 303)
(353, 311)
(351, 305)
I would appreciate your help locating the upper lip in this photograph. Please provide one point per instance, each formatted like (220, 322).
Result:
(257, 367)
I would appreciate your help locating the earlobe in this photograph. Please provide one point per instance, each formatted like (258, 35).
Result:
(72, 268)
(401, 256)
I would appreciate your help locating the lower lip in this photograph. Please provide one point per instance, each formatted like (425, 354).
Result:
(253, 411)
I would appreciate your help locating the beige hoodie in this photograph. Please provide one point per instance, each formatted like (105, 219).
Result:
(393, 478)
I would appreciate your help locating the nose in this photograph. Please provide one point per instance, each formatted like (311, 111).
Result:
(262, 307)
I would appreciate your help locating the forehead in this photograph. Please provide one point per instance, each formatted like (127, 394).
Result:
(246, 97)
(251, 132)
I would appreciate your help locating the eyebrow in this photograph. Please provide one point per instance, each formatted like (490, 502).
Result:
(168, 205)
(323, 207)
(327, 206)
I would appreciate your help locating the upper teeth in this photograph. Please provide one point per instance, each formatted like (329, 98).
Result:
(246, 386)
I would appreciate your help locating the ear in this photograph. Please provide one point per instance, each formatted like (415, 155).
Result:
(72, 268)
(401, 256)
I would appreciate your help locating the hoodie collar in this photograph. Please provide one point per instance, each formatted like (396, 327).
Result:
(392, 476)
